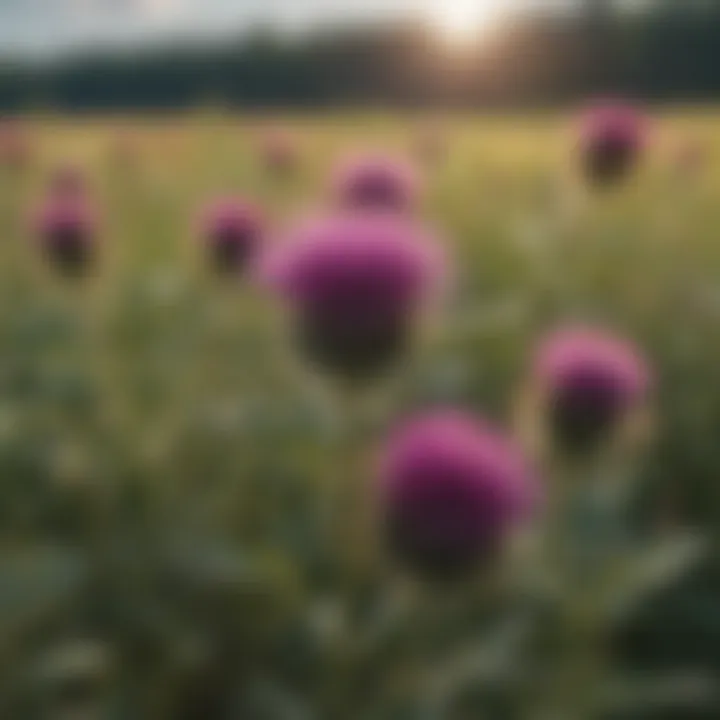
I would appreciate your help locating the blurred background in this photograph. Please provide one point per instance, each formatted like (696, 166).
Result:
(155, 54)
(168, 466)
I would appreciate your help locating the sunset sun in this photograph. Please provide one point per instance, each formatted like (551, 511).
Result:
(464, 20)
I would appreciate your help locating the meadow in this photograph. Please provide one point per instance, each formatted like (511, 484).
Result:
(163, 458)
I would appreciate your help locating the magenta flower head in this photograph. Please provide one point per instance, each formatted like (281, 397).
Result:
(451, 491)
(613, 137)
(67, 231)
(356, 285)
(591, 382)
(376, 183)
(233, 231)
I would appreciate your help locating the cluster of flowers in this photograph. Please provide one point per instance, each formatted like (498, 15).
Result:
(453, 488)
(612, 137)
(356, 283)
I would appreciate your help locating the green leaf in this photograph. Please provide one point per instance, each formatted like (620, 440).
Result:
(650, 570)
(37, 582)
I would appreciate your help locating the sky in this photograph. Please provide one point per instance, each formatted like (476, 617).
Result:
(37, 26)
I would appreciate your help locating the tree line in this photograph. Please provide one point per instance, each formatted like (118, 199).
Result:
(659, 50)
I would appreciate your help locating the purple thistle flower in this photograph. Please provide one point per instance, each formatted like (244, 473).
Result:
(67, 230)
(451, 491)
(356, 284)
(378, 183)
(591, 381)
(233, 231)
(613, 137)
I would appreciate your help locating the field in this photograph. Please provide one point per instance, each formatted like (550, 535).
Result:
(163, 458)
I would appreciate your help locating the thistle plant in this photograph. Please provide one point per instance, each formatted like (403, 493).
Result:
(67, 231)
(612, 142)
(185, 535)
(356, 288)
(376, 182)
(232, 231)
(451, 491)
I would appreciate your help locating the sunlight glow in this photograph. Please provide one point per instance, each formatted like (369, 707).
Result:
(462, 21)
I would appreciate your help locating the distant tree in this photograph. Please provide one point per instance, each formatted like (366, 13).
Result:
(657, 49)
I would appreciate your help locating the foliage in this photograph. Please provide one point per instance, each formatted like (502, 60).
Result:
(164, 467)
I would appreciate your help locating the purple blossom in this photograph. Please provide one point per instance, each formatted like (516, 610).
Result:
(67, 229)
(591, 380)
(451, 489)
(376, 182)
(233, 230)
(356, 284)
(613, 137)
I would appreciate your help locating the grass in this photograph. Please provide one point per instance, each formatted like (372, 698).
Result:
(154, 401)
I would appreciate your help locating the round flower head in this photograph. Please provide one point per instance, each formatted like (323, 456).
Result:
(233, 231)
(67, 230)
(356, 284)
(451, 491)
(612, 139)
(375, 182)
(592, 381)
